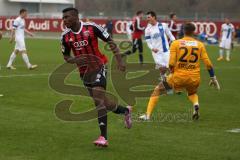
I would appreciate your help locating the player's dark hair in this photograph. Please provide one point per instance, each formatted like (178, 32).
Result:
(139, 12)
(73, 10)
(22, 10)
(189, 28)
(172, 15)
(153, 14)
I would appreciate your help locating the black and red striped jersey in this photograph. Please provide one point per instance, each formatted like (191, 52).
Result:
(84, 43)
(138, 29)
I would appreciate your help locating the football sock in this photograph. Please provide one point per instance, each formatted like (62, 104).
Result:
(121, 110)
(153, 101)
(26, 60)
(102, 122)
(11, 59)
(194, 99)
(228, 53)
(221, 52)
(141, 58)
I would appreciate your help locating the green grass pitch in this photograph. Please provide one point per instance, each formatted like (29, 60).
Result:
(29, 129)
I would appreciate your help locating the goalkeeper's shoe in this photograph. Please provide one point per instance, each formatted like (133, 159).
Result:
(101, 142)
(228, 59)
(195, 115)
(214, 82)
(144, 117)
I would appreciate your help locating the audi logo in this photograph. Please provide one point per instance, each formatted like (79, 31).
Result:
(80, 44)
(209, 28)
(120, 26)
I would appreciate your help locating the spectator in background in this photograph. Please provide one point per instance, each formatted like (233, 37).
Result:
(238, 34)
(109, 26)
(173, 25)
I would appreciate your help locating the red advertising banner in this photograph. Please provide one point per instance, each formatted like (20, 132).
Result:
(56, 25)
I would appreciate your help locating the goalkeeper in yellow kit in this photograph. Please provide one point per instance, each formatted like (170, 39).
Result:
(184, 64)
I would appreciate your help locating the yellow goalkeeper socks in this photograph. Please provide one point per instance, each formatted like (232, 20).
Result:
(194, 99)
(153, 101)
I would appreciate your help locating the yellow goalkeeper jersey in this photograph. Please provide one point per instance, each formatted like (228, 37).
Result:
(185, 56)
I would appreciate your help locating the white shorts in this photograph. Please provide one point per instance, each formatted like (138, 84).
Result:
(225, 43)
(161, 59)
(20, 45)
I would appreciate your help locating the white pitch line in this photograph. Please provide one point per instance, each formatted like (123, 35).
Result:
(235, 130)
(30, 75)
(24, 75)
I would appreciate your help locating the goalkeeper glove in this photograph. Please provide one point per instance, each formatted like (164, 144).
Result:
(214, 82)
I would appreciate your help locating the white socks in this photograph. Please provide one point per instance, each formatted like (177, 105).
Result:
(11, 59)
(221, 52)
(228, 54)
(26, 60)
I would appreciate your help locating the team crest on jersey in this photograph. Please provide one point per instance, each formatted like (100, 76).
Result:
(191, 43)
(86, 33)
(182, 43)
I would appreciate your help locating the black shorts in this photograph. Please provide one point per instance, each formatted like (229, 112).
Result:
(137, 44)
(97, 78)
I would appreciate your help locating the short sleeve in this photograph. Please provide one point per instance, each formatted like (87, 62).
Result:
(15, 23)
(101, 33)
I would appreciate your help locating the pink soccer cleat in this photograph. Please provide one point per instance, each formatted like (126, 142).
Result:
(101, 142)
(128, 118)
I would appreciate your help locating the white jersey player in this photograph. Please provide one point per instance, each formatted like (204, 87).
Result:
(156, 35)
(17, 34)
(226, 36)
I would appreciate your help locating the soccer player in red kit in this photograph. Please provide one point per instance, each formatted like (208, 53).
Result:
(82, 39)
(173, 26)
(138, 31)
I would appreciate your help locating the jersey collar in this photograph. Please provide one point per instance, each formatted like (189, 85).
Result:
(80, 29)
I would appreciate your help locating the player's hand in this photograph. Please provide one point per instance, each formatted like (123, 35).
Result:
(121, 67)
(214, 82)
(31, 34)
(155, 50)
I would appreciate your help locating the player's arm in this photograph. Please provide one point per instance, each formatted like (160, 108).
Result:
(233, 33)
(12, 34)
(104, 35)
(139, 25)
(169, 34)
(171, 27)
(173, 56)
(149, 41)
(221, 33)
(28, 32)
(209, 66)
(66, 51)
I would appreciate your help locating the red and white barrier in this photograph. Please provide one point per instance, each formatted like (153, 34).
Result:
(56, 25)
